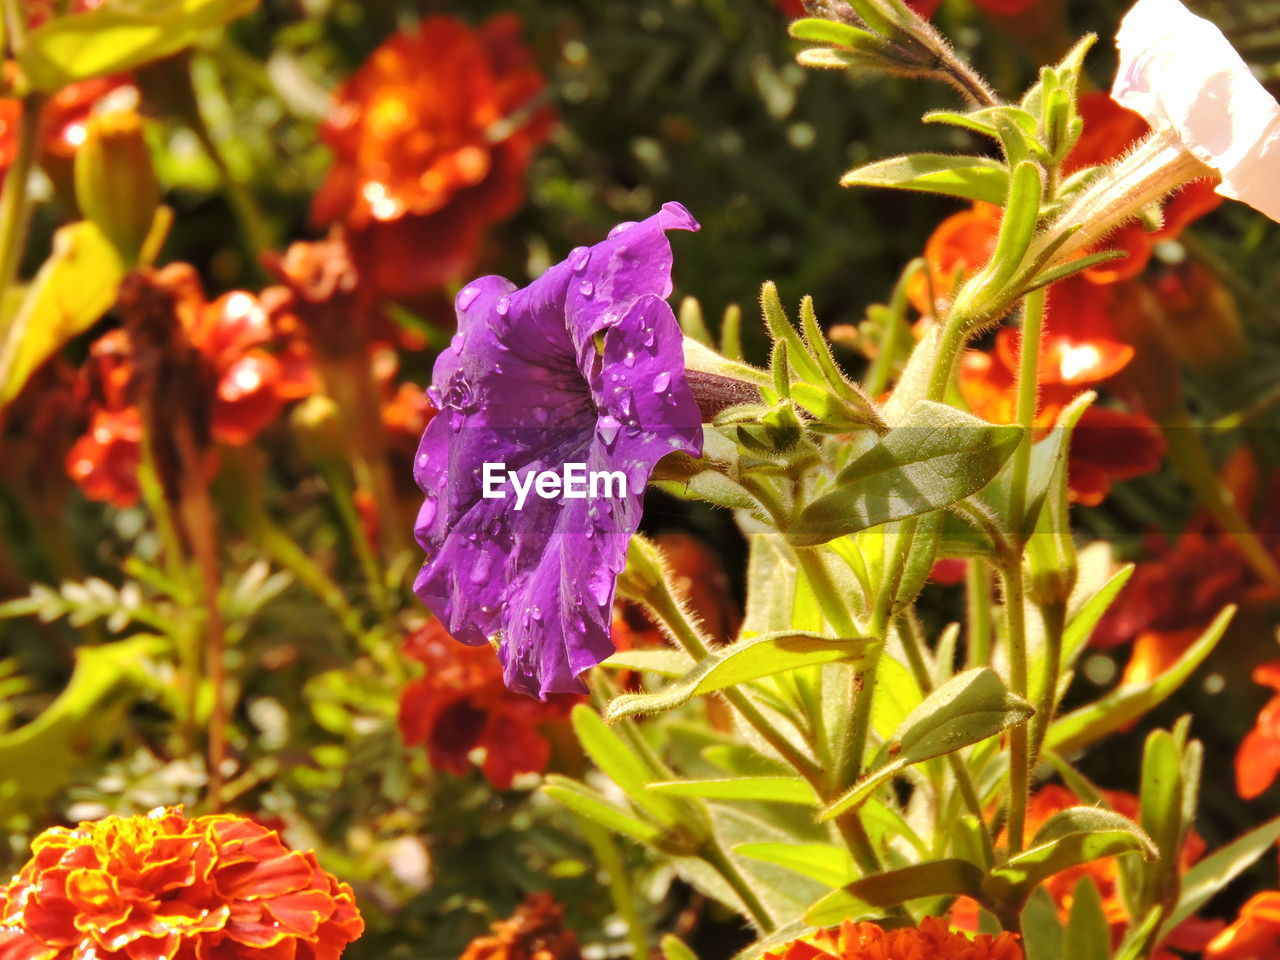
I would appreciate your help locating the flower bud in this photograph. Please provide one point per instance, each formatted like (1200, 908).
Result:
(116, 185)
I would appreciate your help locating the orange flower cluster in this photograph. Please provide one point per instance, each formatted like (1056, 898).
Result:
(252, 384)
(165, 887)
(535, 931)
(431, 138)
(462, 705)
(932, 940)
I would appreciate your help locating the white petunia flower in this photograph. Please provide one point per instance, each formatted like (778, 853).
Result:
(1179, 72)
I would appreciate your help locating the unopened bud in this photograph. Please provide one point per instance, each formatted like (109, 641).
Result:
(116, 185)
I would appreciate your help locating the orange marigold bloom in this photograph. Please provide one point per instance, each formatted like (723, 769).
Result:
(251, 384)
(432, 137)
(535, 931)
(932, 940)
(462, 705)
(1258, 760)
(1254, 936)
(165, 887)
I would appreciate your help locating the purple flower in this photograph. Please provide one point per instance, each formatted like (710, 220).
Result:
(583, 366)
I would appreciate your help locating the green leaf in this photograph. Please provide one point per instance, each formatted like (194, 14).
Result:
(970, 178)
(969, 708)
(622, 765)
(816, 30)
(1070, 838)
(1161, 805)
(740, 662)
(870, 896)
(984, 121)
(1018, 226)
(1088, 934)
(791, 790)
(120, 36)
(1125, 704)
(937, 456)
(1042, 932)
(1214, 872)
(586, 802)
(663, 661)
(673, 948)
(1080, 629)
(76, 286)
(830, 865)
(37, 760)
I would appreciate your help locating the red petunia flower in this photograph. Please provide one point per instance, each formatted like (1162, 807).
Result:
(431, 138)
(933, 939)
(165, 887)
(1254, 936)
(1258, 760)
(462, 705)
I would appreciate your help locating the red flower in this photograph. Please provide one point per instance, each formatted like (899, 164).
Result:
(462, 705)
(1254, 936)
(252, 385)
(1079, 349)
(1258, 760)
(432, 137)
(933, 940)
(164, 887)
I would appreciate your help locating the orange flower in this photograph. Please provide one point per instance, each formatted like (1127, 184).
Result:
(932, 940)
(251, 385)
(534, 932)
(432, 137)
(1079, 349)
(1254, 936)
(164, 887)
(462, 705)
(1258, 760)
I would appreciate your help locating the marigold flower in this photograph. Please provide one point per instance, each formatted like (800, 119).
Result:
(1254, 936)
(1185, 78)
(535, 931)
(431, 138)
(1258, 760)
(462, 705)
(165, 887)
(933, 939)
(583, 366)
(251, 384)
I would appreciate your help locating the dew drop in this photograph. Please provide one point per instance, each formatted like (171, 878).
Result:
(661, 382)
(480, 569)
(457, 342)
(609, 427)
(504, 305)
(586, 288)
(467, 297)
(630, 359)
(621, 228)
(580, 258)
(540, 414)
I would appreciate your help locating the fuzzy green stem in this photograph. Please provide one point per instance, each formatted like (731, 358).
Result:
(1054, 618)
(977, 605)
(344, 502)
(609, 859)
(729, 872)
(1019, 747)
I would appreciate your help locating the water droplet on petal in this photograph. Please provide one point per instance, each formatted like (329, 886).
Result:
(629, 360)
(480, 569)
(579, 258)
(621, 228)
(467, 297)
(423, 459)
(624, 404)
(503, 306)
(457, 342)
(540, 414)
(586, 288)
(648, 336)
(661, 382)
(609, 427)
